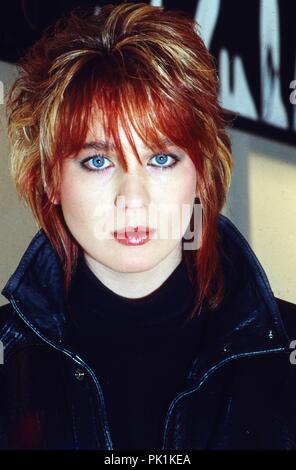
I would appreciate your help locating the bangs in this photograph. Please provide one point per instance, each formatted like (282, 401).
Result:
(117, 99)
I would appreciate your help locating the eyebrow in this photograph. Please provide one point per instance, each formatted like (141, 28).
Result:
(108, 146)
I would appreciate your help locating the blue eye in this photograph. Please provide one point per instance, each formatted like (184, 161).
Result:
(95, 163)
(162, 159)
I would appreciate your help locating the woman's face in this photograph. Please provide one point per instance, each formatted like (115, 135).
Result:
(98, 197)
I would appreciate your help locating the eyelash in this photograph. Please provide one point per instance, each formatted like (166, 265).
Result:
(97, 170)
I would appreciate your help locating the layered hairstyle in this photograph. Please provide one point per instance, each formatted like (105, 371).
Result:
(142, 66)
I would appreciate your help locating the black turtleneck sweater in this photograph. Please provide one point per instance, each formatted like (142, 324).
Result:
(140, 349)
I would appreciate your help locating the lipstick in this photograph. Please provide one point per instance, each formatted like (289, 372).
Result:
(134, 236)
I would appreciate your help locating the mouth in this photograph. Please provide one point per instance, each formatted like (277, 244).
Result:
(134, 235)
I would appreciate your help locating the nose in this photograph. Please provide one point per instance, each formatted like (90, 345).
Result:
(132, 192)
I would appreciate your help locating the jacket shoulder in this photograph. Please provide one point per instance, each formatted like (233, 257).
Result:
(288, 314)
(6, 312)
(14, 334)
(10, 324)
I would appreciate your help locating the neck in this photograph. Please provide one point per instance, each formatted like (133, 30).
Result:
(136, 284)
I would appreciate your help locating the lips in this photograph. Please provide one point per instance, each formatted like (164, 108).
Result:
(133, 235)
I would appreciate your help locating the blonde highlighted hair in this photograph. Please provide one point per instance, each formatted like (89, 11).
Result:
(145, 67)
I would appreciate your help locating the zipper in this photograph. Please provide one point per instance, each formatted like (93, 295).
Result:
(202, 380)
(79, 361)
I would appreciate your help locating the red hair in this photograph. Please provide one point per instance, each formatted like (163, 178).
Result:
(142, 66)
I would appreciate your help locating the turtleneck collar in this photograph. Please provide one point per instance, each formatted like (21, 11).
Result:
(168, 304)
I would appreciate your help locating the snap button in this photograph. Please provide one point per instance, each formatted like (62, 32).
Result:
(270, 334)
(226, 347)
(79, 374)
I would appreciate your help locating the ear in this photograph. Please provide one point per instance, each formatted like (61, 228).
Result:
(54, 199)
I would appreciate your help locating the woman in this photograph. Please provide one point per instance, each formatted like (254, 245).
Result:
(120, 334)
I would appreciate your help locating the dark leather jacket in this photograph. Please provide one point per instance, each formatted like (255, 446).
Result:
(240, 390)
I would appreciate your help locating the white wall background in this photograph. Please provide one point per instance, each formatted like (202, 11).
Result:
(261, 203)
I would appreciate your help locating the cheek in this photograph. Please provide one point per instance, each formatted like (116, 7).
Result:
(183, 188)
(73, 197)
(86, 211)
(177, 205)
(189, 183)
(78, 200)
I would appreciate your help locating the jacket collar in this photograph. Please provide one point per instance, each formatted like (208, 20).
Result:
(35, 289)
(247, 321)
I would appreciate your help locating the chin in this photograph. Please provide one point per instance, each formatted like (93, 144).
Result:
(133, 263)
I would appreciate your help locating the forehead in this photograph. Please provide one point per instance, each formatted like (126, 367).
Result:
(96, 138)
